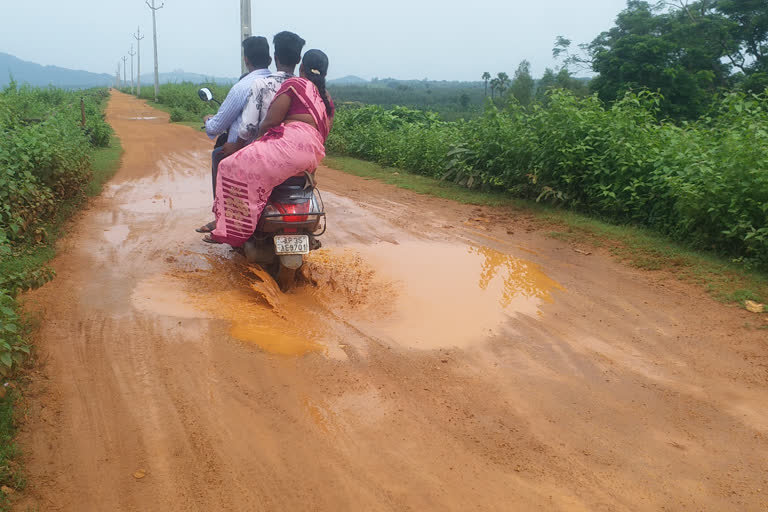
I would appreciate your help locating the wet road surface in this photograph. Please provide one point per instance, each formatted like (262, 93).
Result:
(436, 357)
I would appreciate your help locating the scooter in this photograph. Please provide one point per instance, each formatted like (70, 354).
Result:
(289, 226)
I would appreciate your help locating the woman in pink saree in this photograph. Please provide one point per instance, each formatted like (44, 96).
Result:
(291, 141)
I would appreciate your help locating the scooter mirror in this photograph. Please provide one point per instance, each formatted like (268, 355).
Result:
(205, 94)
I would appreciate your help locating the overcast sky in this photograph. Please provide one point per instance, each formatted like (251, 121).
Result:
(439, 40)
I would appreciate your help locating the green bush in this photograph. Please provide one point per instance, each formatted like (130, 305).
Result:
(44, 163)
(178, 114)
(183, 101)
(703, 182)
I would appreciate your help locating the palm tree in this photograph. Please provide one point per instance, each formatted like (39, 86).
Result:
(503, 83)
(486, 77)
(494, 86)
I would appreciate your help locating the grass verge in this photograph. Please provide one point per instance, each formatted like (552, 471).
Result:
(725, 281)
(191, 120)
(104, 163)
(30, 259)
(33, 256)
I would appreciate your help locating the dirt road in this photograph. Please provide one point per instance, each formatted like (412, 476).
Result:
(441, 357)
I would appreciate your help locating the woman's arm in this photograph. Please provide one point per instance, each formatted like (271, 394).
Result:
(333, 111)
(276, 113)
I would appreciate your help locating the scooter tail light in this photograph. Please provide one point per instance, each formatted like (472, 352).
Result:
(287, 209)
(271, 212)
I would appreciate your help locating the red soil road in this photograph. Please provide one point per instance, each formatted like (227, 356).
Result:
(441, 357)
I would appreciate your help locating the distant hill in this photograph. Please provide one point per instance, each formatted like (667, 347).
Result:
(348, 80)
(25, 72)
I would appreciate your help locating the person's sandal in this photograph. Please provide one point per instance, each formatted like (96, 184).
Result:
(207, 228)
(207, 239)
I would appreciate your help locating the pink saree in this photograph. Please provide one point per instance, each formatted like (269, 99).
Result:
(246, 178)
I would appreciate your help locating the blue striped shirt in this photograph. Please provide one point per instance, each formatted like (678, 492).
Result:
(230, 113)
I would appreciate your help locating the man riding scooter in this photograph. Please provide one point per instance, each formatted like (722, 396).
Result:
(227, 120)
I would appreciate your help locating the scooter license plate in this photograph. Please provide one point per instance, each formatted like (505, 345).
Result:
(291, 244)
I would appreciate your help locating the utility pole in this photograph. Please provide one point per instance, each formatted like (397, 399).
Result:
(138, 37)
(245, 29)
(118, 75)
(125, 75)
(154, 37)
(132, 53)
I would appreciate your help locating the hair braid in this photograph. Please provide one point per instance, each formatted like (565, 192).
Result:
(319, 82)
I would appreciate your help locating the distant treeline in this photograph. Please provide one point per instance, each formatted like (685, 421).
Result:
(454, 99)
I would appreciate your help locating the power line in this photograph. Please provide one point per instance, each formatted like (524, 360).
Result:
(138, 37)
(132, 53)
(245, 29)
(154, 38)
(124, 73)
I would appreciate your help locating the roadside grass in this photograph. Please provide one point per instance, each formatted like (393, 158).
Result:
(104, 163)
(28, 259)
(724, 280)
(192, 120)
(11, 473)
(417, 183)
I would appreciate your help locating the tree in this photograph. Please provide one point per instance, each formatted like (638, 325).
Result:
(494, 86)
(663, 50)
(745, 41)
(464, 100)
(523, 84)
(547, 82)
(486, 77)
(686, 49)
(565, 80)
(503, 83)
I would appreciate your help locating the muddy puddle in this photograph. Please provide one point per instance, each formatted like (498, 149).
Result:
(422, 295)
(430, 295)
(148, 118)
(245, 296)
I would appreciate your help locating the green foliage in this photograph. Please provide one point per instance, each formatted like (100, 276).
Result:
(451, 100)
(523, 85)
(44, 157)
(178, 114)
(11, 474)
(182, 101)
(662, 51)
(704, 183)
(563, 79)
(410, 139)
(687, 51)
(44, 164)
(13, 347)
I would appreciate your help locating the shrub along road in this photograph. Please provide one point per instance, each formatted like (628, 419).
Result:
(439, 356)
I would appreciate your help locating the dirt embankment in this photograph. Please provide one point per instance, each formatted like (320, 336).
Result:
(441, 357)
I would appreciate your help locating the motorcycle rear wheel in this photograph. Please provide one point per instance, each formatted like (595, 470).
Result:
(286, 277)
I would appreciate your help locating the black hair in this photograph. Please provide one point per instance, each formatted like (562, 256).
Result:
(256, 50)
(288, 47)
(315, 66)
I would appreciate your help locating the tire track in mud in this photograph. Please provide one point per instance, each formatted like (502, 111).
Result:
(438, 356)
